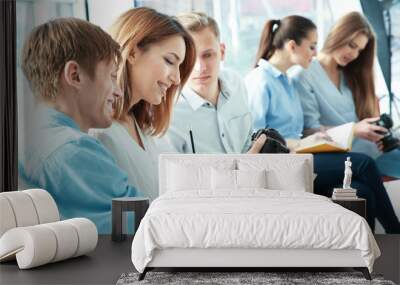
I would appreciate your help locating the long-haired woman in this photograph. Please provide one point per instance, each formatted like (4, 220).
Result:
(339, 88)
(158, 55)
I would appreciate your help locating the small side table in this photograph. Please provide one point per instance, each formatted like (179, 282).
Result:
(139, 205)
(357, 205)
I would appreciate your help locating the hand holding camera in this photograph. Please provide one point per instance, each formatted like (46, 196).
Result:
(388, 141)
(275, 143)
(257, 145)
(368, 130)
(378, 130)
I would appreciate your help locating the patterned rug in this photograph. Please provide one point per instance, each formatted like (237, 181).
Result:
(243, 278)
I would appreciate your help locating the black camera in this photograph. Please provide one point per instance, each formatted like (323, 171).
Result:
(275, 143)
(389, 141)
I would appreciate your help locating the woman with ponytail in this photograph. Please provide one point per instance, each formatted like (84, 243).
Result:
(293, 38)
(274, 103)
(338, 88)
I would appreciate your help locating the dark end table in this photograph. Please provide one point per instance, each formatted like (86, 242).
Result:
(357, 205)
(139, 205)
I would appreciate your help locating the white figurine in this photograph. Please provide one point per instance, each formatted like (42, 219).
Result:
(347, 174)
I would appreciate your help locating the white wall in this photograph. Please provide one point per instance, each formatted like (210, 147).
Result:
(104, 12)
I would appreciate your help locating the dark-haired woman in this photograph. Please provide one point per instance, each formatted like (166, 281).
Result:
(274, 102)
(338, 88)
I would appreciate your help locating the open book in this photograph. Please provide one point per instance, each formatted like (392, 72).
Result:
(342, 139)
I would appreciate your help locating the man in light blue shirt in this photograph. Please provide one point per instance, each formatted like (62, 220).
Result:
(273, 100)
(213, 106)
(77, 86)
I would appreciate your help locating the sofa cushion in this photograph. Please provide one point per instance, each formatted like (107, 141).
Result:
(182, 177)
(294, 179)
(193, 174)
(223, 179)
(281, 175)
(251, 178)
(40, 244)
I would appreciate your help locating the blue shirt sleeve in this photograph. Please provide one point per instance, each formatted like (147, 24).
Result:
(83, 177)
(309, 103)
(259, 100)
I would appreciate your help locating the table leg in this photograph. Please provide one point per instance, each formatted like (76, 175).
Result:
(140, 211)
(117, 221)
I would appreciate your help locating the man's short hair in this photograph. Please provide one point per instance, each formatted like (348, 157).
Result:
(51, 45)
(197, 21)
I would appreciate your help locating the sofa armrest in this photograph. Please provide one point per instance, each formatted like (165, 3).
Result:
(40, 244)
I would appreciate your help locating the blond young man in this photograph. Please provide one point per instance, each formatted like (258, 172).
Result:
(71, 66)
(213, 106)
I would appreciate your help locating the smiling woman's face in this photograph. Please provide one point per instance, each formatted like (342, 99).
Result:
(350, 51)
(155, 69)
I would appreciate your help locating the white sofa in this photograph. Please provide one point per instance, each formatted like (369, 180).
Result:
(199, 193)
(31, 231)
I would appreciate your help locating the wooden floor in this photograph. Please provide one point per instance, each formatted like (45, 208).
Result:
(389, 262)
(110, 260)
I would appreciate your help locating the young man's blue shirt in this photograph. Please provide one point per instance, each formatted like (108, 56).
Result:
(75, 168)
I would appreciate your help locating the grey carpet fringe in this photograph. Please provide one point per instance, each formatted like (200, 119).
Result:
(244, 278)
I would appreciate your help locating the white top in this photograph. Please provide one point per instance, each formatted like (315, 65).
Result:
(140, 164)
